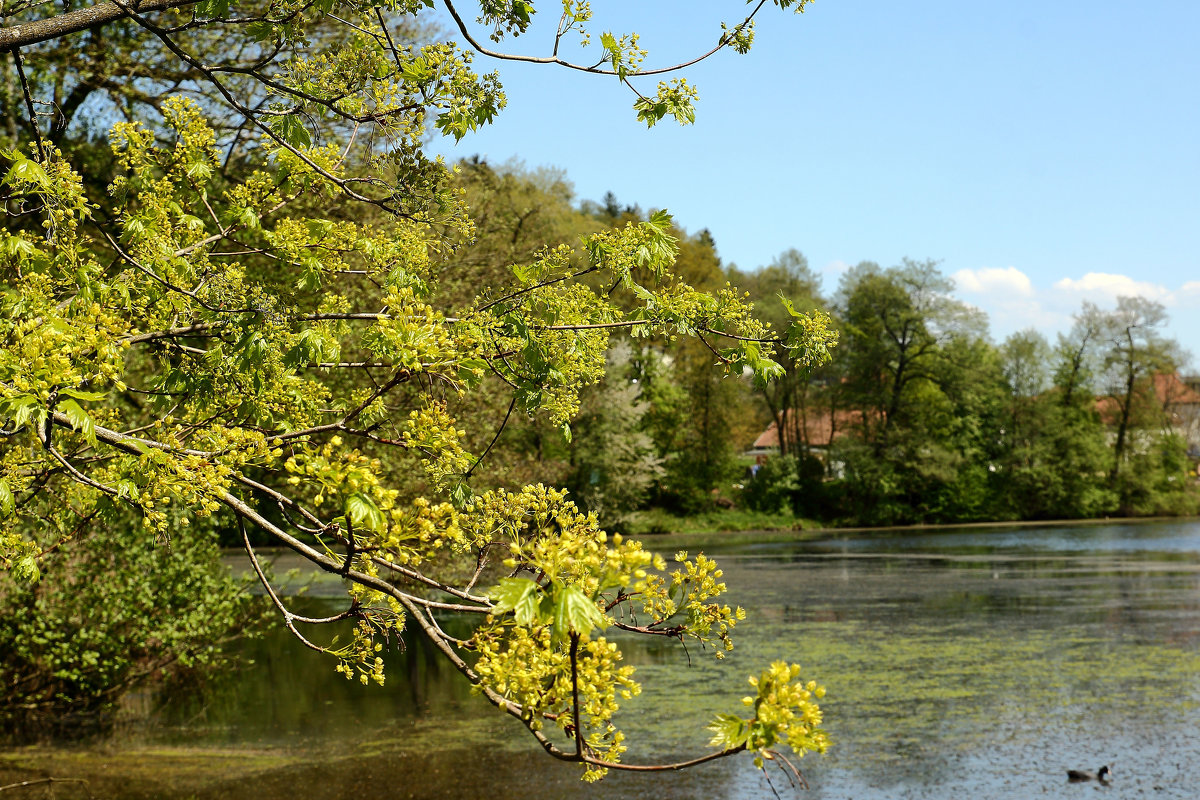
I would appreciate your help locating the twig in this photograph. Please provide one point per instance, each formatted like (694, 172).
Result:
(495, 438)
(595, 69)
(575, 695)
(39, 781)
(33, 122)
(289, 619)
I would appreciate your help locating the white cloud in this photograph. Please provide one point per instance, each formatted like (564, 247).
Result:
(1012, 302)
(1008, 297)
(1007, 280)
(1107, 286)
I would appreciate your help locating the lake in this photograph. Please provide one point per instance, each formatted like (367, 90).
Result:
(959, 663)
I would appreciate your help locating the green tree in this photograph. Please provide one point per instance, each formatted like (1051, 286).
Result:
(1135, 351)
(1097, 442)
(793, 480)
(696, 413)
(517, 215)
(218, 344)
(1147, 458)
(921, 381)
(1053, 452)
(700, 448)
(790, 398)
(1077, 362)
(897, 324)
(613, 460)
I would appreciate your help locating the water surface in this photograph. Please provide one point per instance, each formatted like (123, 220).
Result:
(967, 663)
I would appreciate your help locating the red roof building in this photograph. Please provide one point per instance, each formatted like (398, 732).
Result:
(820, 427)
(1179, 401)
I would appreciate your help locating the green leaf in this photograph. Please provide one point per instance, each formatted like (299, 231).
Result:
(660, 222)
(524, 272)
(312, 346)
(192, 223)
(18, 247)
(133, 229)
(417, 70)
(26, 569)
(7, 501)
(127, 489)
(609, 43)
(641, 292)
(310, 274)
(210, 9)
(470, 371)
(79, 420)
(260, 31)
(27, 172)
(575, 612)
(21, 409)
(678, 592)
(519, 595)
(292, 131)
(766, 371)
(787, 304)
(363, 513)
(461, 495)
(200, 171)
(473, 365)
(80, 394)
(729, 731)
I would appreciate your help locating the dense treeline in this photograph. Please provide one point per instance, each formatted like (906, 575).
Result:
(927, 420)
(663, 428)
(920, 417)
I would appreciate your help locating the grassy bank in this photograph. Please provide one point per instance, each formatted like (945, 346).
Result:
(655, 522)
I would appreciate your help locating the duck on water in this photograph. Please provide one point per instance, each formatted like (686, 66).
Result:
(1104, 775)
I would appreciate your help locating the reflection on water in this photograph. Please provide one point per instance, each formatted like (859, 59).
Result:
(962, 664)
(285, 694)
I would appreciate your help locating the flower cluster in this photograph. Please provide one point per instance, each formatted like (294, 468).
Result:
(784, 710)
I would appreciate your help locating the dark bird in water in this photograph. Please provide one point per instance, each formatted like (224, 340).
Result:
(1104, 774)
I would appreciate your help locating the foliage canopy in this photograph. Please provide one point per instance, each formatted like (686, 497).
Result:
(251, 323)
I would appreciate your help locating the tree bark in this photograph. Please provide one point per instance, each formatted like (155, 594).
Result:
(44, 30)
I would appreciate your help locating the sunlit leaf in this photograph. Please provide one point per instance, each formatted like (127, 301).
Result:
(519, 595)
(79, 420)
(575, 612)
(363, 513)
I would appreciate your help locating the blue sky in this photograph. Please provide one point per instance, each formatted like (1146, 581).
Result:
(1044, 152)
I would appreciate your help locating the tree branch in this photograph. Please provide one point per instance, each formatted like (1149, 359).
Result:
(56, 27)
(595, 69)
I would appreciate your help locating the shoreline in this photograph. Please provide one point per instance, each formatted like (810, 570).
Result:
(1023, 523)
(804, 534)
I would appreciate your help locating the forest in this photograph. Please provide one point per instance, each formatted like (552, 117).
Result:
(241, 305)
(919, 417)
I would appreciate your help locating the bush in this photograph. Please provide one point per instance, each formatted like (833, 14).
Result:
(114, 609)
(774, 487)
